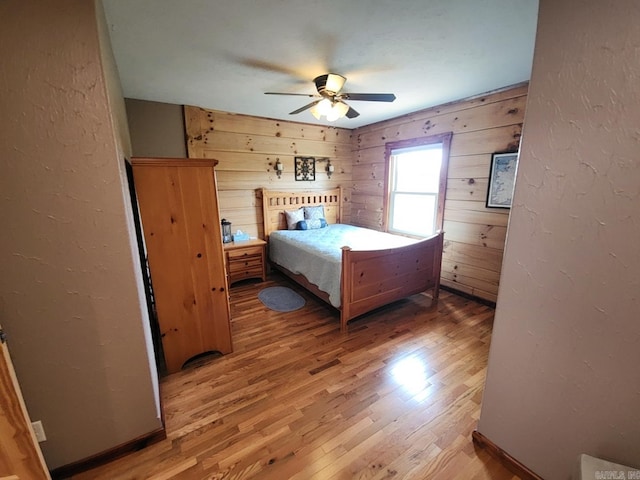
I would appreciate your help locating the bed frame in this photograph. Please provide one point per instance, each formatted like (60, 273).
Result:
(370, 278)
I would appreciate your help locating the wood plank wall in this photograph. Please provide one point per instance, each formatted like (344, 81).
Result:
(474, 234)
(247, 147)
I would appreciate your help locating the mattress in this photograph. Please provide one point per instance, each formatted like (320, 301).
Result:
(317, 253)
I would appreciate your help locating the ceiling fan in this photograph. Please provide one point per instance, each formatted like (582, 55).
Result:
(331, 102)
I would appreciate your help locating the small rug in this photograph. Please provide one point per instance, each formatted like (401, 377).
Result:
(281, 299)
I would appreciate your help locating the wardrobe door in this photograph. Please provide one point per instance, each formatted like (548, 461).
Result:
(179, 211)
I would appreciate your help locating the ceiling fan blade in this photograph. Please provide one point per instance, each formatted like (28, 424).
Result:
(369, 97)
(302, 109)
(351, 113)
(310, 95)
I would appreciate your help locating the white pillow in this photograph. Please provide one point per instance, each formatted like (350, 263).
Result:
(293, 217)
(313, 213)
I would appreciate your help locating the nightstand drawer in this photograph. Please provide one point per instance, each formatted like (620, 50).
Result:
(240, 253)
(244, 274)
(245, 264)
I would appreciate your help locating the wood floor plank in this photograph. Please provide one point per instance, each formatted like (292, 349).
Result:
(398, 396)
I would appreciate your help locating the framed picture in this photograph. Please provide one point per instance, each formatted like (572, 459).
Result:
(305, 168)
(502, 177)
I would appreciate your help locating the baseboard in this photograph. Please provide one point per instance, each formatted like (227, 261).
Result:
(503, 457)
(484, 301)
(107, 456)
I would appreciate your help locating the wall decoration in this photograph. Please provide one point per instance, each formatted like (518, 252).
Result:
(278, 167)
(329, 168)
(502, 177)
(305, 168)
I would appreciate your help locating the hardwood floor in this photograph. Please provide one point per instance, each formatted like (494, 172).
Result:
(396, 397)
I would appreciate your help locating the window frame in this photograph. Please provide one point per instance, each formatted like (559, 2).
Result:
(445, 140)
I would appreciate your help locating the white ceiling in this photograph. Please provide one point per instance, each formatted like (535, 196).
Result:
(224, 54)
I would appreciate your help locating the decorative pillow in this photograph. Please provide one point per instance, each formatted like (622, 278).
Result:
(311, 224)
(293, 217)
(312, 213)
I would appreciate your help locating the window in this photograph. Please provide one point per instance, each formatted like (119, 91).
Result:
(416, 182)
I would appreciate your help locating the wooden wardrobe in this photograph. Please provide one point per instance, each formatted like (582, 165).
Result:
(178, 206)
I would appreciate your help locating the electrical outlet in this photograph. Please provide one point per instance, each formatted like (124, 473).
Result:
(38, 429)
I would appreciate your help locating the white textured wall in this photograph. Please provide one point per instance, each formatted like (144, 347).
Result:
(564, 367)
(70, 287)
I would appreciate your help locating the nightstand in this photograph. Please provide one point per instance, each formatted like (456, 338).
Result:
(245, 259)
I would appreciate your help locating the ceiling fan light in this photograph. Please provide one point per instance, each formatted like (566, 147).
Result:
(338, 110)
(332, 116)
(321, 108)
(315, 111)
(334, 83)
(324, 106)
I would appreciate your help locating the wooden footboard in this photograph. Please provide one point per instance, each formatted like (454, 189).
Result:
(373, 278)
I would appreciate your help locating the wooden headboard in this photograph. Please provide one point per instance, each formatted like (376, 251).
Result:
(275, 203)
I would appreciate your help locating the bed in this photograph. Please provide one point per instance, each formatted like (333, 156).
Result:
(368, 278)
